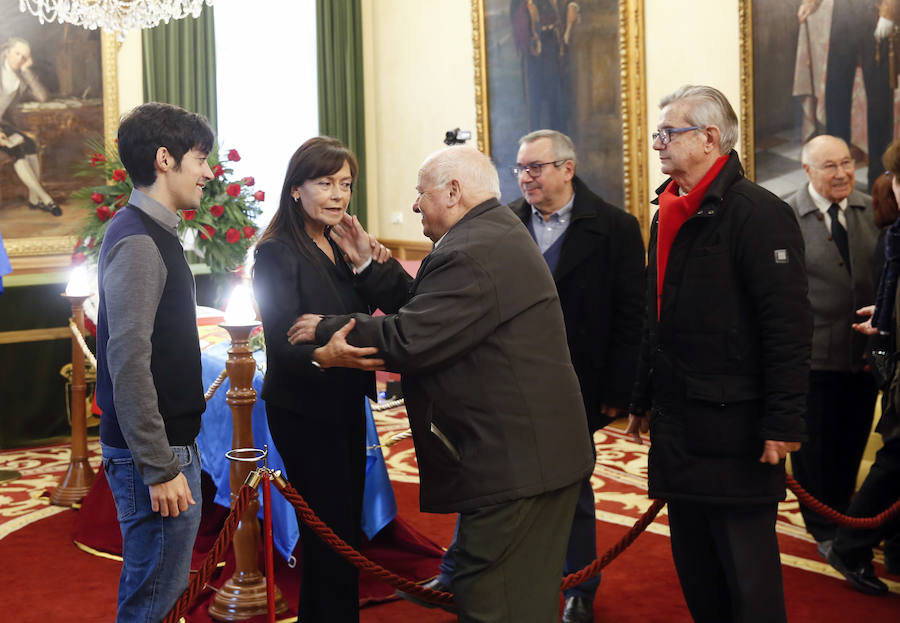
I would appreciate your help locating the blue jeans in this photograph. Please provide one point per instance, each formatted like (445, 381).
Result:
(156, 550)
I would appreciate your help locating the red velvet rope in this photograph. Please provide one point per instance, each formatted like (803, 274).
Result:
(223, 542)
(842, 520)
(440, 597)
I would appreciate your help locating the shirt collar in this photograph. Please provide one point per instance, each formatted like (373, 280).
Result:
(822, 203)
(155, 210)
(562, 215)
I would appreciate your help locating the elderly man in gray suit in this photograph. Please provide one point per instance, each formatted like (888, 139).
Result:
(493, 401)
(840, 237)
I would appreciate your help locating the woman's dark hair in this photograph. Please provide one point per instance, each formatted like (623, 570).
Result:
(146, 128)
(884, 204)
(891, 158)
(318, 157)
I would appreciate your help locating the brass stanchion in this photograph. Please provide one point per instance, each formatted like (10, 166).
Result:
(244, 594)
(79, 476)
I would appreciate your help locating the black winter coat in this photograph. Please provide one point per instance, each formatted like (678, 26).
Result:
(600, 283)
(726, 366)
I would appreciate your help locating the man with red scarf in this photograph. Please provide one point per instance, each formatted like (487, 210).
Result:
(722, 380)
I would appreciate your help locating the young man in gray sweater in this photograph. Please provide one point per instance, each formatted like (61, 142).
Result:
(148, 355)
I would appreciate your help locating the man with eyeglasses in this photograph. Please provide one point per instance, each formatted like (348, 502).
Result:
(596, 254)
(724, 362)
(840, 236)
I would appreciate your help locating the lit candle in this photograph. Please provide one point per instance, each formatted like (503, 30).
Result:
(240, 311)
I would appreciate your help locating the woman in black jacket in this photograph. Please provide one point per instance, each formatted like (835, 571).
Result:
(316, 415)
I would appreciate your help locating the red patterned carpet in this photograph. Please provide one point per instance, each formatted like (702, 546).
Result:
(44, 577)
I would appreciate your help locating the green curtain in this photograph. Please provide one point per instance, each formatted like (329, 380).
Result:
(341, 101)
(180, 64)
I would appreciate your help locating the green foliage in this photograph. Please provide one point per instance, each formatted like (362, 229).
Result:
(223, 226)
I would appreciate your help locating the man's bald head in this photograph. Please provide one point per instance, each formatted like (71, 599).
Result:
(827, 162)
(452, 181)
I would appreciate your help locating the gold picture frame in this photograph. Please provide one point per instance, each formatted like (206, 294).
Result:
(748, 143)
(36, 254)
(812, 80)
(633, 101)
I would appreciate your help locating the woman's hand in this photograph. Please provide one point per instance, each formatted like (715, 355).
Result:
(304, 329)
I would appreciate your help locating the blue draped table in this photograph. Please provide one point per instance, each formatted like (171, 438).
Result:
(214, 440)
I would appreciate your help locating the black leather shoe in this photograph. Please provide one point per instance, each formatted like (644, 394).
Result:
(862, 577)
(52, 208)
(578, 610)
(434, 584)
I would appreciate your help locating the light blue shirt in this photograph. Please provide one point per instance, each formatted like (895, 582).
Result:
(547, 232)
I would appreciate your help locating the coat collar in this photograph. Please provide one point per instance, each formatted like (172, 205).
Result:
(806, 205)
(585, 225)
(730, 173)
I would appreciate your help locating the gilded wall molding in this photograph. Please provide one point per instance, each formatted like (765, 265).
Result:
(748, 147)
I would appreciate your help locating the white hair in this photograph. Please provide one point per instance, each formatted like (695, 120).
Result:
(474, 171)
(707, 107)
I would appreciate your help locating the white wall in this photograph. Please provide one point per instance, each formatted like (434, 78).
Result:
(697, 44)
(130, 72)
(419, 83)
(267, 87)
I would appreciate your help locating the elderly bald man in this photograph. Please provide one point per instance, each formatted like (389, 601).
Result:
(493, 400)
(840, 237)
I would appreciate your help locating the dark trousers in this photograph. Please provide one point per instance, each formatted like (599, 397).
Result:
(880, 489)
(728, 562)
(852, 44)
(582, 548)
(325, 459)
(840, 407)
(580, 552)
(509, 558)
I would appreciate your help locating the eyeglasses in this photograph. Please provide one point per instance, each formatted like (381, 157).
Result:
(534, 169)
(848, 164)
(665, 134)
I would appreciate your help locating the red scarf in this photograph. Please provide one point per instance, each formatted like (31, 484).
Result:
(674, 210)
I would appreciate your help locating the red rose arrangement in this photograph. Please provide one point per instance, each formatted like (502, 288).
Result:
(223, 226)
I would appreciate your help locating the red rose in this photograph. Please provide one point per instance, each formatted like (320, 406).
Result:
(233, 155)
(78, 258)
(119, 175)
(218, 170)
(233, 190)
(232, 235)
(91, 242)
(102, 212)
(209, 233)
(249, 231)
(121, 200)
(188, 215)
(217, 210)
(259, 195)
(97, 158)
(96, 197)
(248, 181)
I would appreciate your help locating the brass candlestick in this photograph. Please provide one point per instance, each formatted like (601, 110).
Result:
(244, 594)
(79, 476)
